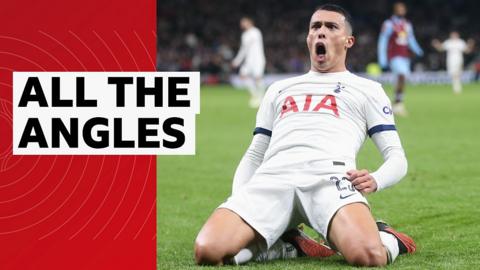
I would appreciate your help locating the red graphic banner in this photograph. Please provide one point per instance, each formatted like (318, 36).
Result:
(75, 212)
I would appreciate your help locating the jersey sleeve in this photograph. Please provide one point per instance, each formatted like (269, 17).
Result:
(445, 45)
(463, 46)
(242, 52)
(382, 130)
(378, 112)
(386, 32)
(412, 42)
(250, 162)
(266, 114)
(395, 164)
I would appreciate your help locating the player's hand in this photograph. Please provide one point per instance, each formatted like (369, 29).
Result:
(437, 45)
(471, 43)
(384, 67)
(362, 181)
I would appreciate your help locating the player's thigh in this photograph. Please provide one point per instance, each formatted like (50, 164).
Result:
(321, 197)
(354, 233)
(265, 203)
(258, 70)
(259, 209)
(454, 69)
(224, 233)
(245, 71)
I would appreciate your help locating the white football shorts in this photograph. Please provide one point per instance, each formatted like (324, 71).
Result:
(273, 204)
(255, 70)
(454, 67)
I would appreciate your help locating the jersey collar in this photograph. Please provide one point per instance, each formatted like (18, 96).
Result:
(328, 74)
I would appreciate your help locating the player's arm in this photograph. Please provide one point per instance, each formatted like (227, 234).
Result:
(386, 32)
(412, 42)
(381, 128)
(393, 169)
(242, 52)
(470, 45)
(255, 153)
(251, 160)
(395, 164)
(439, 46)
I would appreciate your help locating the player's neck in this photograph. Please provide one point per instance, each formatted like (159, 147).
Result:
(335, 69)
(330, 71)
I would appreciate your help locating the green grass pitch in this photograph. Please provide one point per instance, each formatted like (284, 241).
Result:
(437, 203)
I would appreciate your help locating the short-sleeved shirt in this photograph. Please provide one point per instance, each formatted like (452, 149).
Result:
(454, 49)
(398, 41)
(320, 117)
(251, 48)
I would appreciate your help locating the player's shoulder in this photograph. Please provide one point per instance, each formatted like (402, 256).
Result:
(365, 81)
(368, 86)
(460, 41)
(387, 25)
(388, 21)
(408, 24)
(255, 31)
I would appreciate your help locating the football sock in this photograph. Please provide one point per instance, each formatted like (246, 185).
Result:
(259, 89)
(457, 84)
(390, 243)
(245, 255)
(398, 96)
(251, 86)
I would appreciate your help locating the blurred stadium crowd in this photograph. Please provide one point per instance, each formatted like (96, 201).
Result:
(204, 35)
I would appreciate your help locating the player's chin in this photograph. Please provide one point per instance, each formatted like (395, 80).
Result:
(320, 58)
(321, 66)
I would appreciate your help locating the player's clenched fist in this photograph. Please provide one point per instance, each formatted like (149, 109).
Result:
(362, 181)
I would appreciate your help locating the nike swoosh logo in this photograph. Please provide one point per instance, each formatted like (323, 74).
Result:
(344, 197)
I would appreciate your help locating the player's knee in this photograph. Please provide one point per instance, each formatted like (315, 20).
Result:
(208, 253)
(369, 254)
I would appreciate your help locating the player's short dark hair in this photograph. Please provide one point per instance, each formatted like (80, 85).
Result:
(338, 9)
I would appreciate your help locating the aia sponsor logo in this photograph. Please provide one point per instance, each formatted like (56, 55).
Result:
(328, 102)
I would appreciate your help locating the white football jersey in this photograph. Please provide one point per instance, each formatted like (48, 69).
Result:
(454, 48)
(251, 49)
(320, 118)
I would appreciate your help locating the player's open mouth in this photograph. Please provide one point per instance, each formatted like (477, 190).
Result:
(320, 49)
(320, 52)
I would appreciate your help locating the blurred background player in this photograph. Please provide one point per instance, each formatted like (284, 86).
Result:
(252, 59)
(395, 40)
(455, 47)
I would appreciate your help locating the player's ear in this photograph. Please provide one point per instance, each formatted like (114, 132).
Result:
(349, 41)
